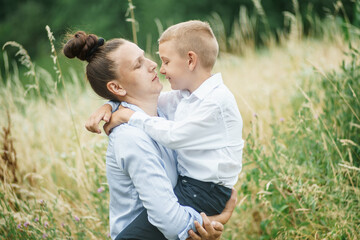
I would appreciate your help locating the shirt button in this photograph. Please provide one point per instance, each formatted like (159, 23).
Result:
(195, 195)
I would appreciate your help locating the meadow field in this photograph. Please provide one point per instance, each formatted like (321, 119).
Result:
(299, 99)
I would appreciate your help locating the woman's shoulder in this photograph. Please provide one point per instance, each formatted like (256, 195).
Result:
(128, 134)
(127, 141)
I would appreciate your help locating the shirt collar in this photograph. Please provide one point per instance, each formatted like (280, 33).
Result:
(137, 109)
(132, 107)
(205, 88)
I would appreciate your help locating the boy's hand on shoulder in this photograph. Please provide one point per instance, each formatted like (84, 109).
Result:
(102, 113)
(122, 115)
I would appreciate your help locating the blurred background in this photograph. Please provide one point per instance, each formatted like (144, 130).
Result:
(24, 21)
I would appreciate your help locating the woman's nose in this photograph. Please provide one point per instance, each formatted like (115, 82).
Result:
(153, 65)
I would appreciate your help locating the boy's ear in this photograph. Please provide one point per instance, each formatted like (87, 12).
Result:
(115, 88)
(192, 60)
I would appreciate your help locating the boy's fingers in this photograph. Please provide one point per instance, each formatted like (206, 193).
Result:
(217, 226)
(90, 123)
(107, 116)
(217, 234)
(103, 113)
(90, 127)
(201, 230)
(95, 128)
(193, 235)
(87, 126)
(97, 118)
(106, 128)
(206, 221)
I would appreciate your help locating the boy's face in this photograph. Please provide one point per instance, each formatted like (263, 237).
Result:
(174, 67)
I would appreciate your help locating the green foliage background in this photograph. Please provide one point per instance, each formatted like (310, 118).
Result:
(24, 21)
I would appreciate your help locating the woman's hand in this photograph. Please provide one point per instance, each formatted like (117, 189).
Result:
(211, 230)
(103, 113)
(228, 210)
(213, 225)
(122, 115)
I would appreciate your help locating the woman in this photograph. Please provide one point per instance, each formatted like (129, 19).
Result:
(141, 173)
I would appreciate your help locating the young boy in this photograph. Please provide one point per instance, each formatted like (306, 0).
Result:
(203, 122)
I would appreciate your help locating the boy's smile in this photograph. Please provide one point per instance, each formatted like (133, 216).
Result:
(173, 66)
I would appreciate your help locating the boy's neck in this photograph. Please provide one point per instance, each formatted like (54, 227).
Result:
(199, 78)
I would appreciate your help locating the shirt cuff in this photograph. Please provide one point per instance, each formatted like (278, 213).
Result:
(194, 216)
(114, 105)
(138, 119)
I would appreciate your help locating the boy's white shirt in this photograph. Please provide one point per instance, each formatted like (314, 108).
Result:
(205, 128)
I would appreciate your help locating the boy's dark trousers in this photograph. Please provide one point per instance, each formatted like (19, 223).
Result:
(206, 197)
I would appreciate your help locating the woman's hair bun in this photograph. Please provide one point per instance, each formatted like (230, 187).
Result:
(79, 45)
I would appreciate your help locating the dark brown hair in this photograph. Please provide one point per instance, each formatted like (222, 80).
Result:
(100, 68)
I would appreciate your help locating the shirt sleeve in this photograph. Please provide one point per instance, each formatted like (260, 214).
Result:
(139, 157)
(114, 105)
(204, 129)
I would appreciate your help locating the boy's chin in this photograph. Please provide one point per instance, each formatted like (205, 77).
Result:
(175, 87)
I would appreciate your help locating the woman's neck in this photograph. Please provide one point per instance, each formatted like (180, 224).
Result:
(149, 106)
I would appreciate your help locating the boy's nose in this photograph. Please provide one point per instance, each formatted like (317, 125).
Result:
(162, 70)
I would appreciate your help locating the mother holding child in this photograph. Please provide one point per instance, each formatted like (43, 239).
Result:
(173, 158)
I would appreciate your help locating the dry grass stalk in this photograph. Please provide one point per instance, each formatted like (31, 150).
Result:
(8, 166)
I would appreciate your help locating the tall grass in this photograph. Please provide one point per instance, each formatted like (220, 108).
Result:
(47, 191)
(132, 19)
(252, 30)
(25, 60)
(307, 177)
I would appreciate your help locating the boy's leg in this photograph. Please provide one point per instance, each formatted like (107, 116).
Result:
(206, 197)
(140, 229)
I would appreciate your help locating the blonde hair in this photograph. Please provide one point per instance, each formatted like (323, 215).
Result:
(195, 36)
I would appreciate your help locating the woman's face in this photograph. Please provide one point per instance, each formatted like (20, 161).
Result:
(136, 73)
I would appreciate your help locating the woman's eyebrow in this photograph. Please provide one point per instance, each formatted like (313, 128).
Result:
(138, 59)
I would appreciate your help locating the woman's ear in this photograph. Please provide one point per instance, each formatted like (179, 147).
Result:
(115, 88)
(192, 60)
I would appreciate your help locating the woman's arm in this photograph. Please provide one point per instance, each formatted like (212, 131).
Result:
(138, 156)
